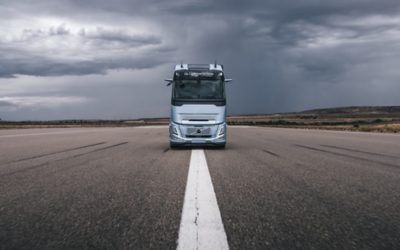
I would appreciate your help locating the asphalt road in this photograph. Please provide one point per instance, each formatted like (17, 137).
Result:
(123, 188)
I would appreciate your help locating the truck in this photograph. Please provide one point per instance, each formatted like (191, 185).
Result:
(198, 105)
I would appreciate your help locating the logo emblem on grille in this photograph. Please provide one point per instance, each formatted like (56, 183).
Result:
(198, 131)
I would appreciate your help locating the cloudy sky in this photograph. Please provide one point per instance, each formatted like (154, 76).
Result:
(71, 59)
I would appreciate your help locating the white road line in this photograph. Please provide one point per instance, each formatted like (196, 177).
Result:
(201, 224)
(77, 131)
(51, 133)
(153, 126)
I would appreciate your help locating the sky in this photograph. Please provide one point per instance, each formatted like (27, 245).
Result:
(99, 59)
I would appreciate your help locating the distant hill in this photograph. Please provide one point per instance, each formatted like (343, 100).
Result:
(355, 110)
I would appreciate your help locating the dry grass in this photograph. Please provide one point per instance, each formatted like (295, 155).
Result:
(359, 122)
(385, 128)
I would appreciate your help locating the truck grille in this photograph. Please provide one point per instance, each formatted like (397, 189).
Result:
(198, 132)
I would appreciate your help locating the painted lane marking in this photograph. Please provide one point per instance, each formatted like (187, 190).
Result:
(153, 126)
(52, 133)
(77, 131)
(201, 224)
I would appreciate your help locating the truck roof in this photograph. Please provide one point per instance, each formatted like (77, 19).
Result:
(212, 66)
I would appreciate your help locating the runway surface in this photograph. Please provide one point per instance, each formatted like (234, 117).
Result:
(123, 188)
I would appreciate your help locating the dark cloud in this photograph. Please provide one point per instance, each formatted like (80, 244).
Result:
(6, 104)
(119, 36)
(102, 50)
(37, 65)
(34, 65)
(283, 55)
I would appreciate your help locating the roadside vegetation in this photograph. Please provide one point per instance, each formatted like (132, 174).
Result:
(81, 123)
(367, 119)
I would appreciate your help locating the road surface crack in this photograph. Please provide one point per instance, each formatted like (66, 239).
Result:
(348, 156)
(271, 153)
(55, 152)
(359, 151)
(62, 159)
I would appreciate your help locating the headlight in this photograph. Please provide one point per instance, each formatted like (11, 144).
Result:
(173, 129)
(221, 129)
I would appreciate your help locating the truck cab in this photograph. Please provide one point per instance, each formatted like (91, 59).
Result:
(198, 105)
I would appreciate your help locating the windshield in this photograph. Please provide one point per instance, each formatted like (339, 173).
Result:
(198, 89)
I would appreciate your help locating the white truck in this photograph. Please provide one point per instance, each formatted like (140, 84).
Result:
(198, 105)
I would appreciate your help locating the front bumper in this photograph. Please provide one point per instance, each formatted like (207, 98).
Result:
(180, 137)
